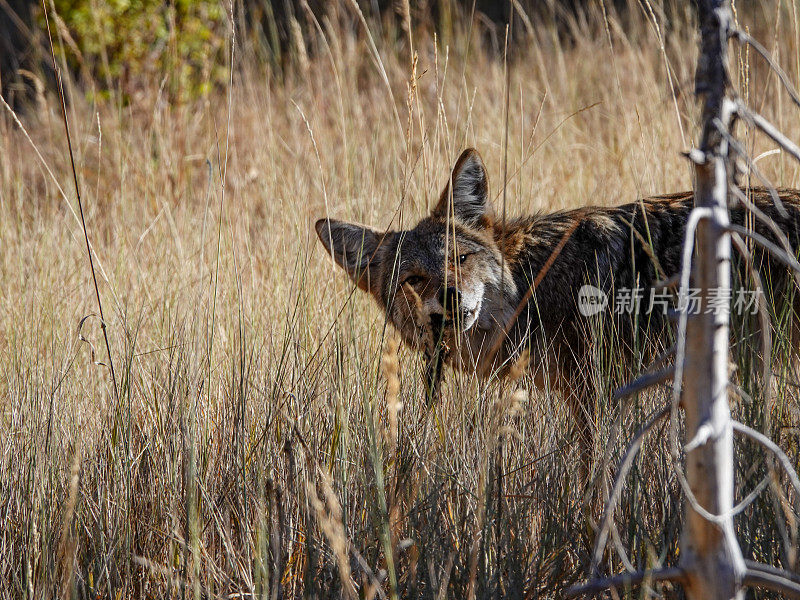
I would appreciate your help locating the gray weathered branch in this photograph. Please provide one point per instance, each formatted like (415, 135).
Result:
(627, 580)
(772, 132)
(644, 381)
(616, 490)
(772, 447)
(710, 553)
(770, 578)
(740, 35)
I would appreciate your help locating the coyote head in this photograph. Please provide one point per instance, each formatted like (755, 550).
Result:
(446, 272)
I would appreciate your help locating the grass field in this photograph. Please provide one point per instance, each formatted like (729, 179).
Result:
(268, 438)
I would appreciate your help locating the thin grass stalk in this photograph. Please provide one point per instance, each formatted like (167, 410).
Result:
(60, 86)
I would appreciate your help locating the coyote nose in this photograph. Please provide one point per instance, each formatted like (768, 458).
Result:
(450, 298)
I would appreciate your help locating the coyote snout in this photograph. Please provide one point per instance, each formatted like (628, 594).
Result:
(453, 304)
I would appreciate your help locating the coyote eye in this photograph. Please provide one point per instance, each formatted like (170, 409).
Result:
(412, 280)
(461, 258)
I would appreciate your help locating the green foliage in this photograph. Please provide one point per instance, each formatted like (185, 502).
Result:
(121, 45)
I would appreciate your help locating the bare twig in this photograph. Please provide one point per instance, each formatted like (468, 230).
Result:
(616, 490)
(695, 217)
(778, 253)
(627, 580)
(643, 382)
(751, 497)
(368, 571)
(772, 447)
(764, 218)
(739, 35)
(772, 132)
(711, 560)
(757, 566)
(751, 164)
(763, 315)
(767, 578)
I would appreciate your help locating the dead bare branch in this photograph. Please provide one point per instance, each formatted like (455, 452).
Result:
(772, 132)
(772, 447)
(757, 566)
(741, 36)
(619, 482)
(776, 581)
(778, 253)
(763, 315)
(710, 554)
(764, 218)
(643, 382)
(744, 155)
(627, 580)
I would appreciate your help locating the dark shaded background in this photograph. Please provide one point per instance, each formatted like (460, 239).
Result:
(265, 26)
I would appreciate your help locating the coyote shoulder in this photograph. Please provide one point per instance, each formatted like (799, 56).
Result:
(477, 293)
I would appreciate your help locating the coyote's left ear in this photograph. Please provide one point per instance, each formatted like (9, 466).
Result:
(470, 196)
(354, 248)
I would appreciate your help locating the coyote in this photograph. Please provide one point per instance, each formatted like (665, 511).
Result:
(478, 293)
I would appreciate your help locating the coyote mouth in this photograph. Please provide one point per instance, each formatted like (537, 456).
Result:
(438, 322)
(461, 323)
(470, 317)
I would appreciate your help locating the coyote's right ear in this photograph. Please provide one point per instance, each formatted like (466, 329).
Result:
(470, 196)
(353, 247)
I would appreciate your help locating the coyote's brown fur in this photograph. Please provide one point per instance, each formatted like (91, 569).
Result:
(489, 290)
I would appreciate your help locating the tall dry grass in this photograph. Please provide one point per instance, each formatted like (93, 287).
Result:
(253, 449)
